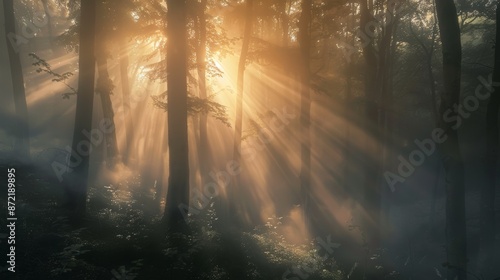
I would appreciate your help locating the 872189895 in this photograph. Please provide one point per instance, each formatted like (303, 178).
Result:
(11, 196)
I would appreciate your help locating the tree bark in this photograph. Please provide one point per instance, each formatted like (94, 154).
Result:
(178, 184)
(48, 14)
(22, 146)
(371, 196)
(238, 127)
(487, 220)
(105, 89)
(347, 162)
(429, 54)
(304, 39)
(450, 150)
(78, 179)
(201, 57)
(387, 139)
(284, 6)
(127, 109)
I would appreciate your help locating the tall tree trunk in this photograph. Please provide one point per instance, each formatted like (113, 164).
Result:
(104, 88)
(387, 53)
(22, 146)
(377, 125)
(487, 237)
(450, 150)
(201, 57)
(127, 109)
(284, 7)
(238, 127)
(48, 14)
(178, 184)
(371, 190)
(81, 147)
(435, 112)
(429, 54)
(346, 182)
(304, 39)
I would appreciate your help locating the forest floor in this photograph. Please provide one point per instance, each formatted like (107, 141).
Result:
(420, 237)
(121, 238)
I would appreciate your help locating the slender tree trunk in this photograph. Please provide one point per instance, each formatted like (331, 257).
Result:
(378, 126)
(238, 127)
(450, 149)
(22, 146)
(347, 116)
(48, 14)
(429, 54)
(178, 184)
(371, 192)
(387, 53)
(304, 39)
(201, 57)
(435, 112)
(81, 147)
(487, 237)
(285, 22)
(105, 88)
(127, 109)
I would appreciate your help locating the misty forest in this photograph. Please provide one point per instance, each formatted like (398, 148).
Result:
(250, 139)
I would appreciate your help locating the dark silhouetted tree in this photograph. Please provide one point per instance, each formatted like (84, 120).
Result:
(449, 31)
(104, 87)
(240, 85)
(201, 62)
(22, 146)
(304, 39)
(77, 183)
(487, 238)
(178, 183)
